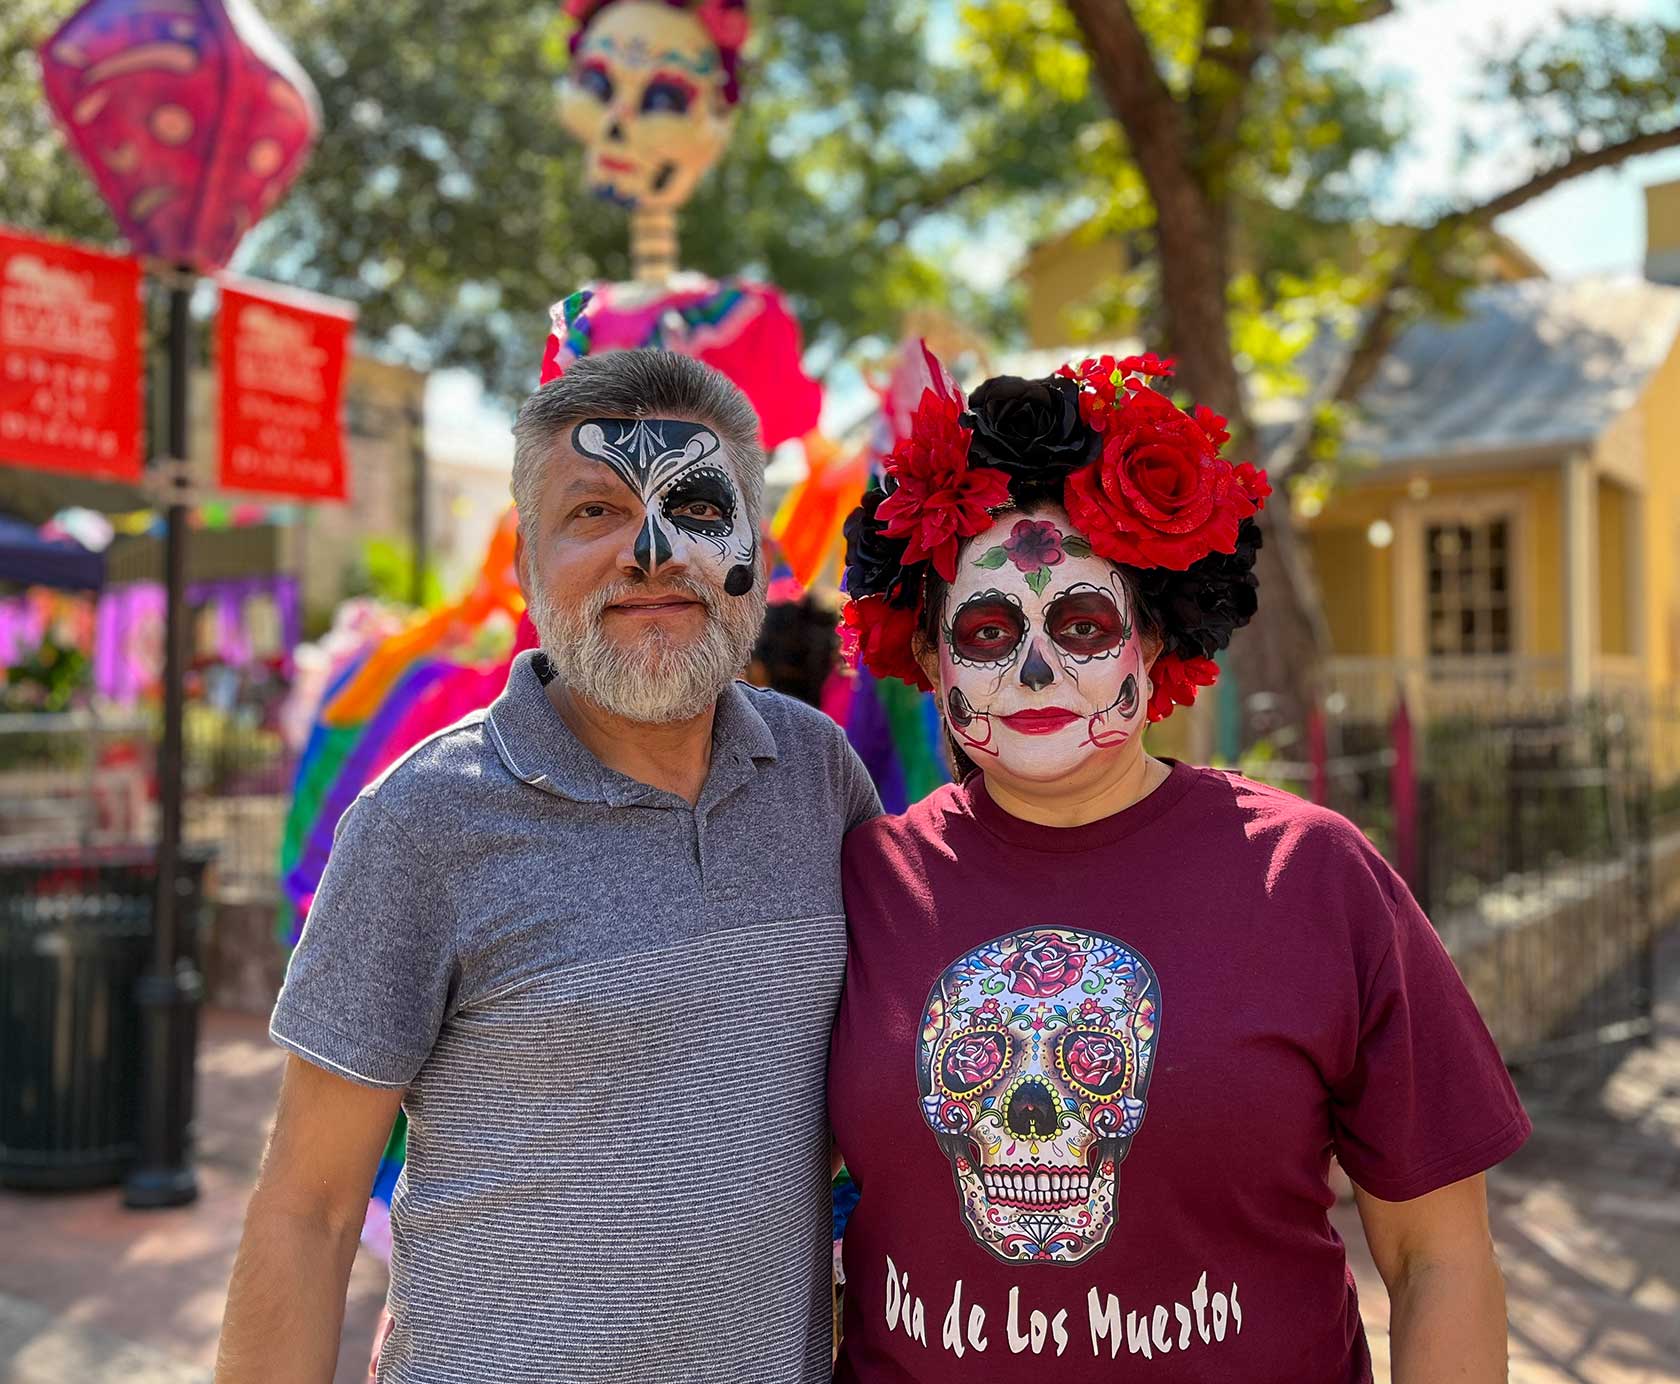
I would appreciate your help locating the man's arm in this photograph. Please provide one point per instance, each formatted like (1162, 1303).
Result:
(285, 1308)
(1446, 1296)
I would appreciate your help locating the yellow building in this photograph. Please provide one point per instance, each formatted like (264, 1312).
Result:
(1516, 532)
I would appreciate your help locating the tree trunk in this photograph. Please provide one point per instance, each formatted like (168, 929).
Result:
(1274, 662)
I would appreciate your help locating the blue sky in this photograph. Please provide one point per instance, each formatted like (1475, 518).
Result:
(1595, 224)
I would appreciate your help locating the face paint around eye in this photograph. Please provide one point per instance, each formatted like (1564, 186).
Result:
(987, 629)
(1087, 623)
(693, 509)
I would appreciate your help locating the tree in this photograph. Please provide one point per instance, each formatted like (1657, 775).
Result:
(444, 198)
(1197, 91)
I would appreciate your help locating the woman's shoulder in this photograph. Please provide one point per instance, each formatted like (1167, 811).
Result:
(1286, 829)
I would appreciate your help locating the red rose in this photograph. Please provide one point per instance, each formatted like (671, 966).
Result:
(1094, 1060)
(1033, 545)
(879, 637)
(972, 1060)
(1177, 680)
(940, 499)
(1044, 969)
(1160, 496)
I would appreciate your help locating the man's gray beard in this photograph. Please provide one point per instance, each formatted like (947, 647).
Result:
(652, 678)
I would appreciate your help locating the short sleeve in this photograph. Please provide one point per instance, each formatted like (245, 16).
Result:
(861, 801)
(1428, 1101)
(373, 972)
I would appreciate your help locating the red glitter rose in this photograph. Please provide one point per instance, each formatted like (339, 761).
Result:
(1094, 1060)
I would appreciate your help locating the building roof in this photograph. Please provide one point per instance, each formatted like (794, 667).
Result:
(1534, 366)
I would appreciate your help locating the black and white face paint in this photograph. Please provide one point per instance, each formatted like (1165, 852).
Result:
(694, 510)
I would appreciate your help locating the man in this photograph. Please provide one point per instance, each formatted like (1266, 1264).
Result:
(591, 940)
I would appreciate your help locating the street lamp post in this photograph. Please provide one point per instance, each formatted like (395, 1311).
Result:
(193, 119)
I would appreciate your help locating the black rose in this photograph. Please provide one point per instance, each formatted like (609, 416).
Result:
(874, 562)
(1200, 608)
(1030, 429)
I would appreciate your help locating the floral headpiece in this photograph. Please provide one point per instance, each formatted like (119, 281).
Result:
(1141, 479)
(725, 20)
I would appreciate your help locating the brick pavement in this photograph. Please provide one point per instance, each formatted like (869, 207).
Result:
(1586, 1218)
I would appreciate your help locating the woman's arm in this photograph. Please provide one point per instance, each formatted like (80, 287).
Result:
(1446, 1297)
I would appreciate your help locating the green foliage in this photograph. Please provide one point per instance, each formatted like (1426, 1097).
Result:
(384, 570)
(47, 679)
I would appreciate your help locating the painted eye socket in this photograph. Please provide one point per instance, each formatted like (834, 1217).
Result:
(699, 509)
(1096, 1063)
(665, 96)
(988, 629)
(1086, 622)
(593, 78)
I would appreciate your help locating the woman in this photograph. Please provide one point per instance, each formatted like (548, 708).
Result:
(1107, 1018)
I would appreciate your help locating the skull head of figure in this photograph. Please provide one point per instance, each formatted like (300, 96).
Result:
(1034, 1062)
(651, 94)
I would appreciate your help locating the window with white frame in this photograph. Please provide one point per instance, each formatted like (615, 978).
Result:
(1469, 572)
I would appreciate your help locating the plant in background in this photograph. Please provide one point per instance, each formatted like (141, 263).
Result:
(47, 680)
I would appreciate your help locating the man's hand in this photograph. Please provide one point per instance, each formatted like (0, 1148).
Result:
(1446, 1298)
(285, 1307)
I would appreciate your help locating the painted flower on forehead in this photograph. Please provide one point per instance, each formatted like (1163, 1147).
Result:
(938, 499)
(879, 636)
(1033, 545)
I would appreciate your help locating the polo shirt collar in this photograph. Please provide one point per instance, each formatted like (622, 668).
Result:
(539, 748)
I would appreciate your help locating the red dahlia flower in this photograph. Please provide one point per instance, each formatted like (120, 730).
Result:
(880, 637)
(940, 499)
(1177, 680)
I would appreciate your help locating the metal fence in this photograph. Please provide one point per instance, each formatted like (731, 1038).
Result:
(1537, 834)
(82, 778)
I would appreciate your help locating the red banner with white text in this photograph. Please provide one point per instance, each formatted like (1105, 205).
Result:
(282, 356)
(70, 358)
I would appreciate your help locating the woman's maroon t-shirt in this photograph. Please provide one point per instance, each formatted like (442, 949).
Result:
(1089, 1082)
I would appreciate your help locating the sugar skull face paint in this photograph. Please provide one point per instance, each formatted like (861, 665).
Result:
(645, 96)
(692, 506)
(1040, 662)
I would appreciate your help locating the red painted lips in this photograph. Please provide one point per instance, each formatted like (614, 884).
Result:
(1040, 720)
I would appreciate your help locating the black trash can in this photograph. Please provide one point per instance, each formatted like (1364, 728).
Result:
(75, 939)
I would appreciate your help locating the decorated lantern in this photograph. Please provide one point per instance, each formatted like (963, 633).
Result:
(191, 116)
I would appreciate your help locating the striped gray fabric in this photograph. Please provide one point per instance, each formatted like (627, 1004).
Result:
(610, 1012)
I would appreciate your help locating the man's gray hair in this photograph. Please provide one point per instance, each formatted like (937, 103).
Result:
(635, 384)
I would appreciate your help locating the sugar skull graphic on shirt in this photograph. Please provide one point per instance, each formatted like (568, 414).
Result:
(1033, 1065)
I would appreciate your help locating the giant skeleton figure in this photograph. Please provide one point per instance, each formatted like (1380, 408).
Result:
(651, 94)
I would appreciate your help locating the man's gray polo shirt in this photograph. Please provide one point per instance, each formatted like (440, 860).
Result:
(611, 1014)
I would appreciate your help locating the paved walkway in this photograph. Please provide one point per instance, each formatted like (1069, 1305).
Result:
(1587, 1220)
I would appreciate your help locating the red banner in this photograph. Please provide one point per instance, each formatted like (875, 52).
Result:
(70, 364)
(282, 374)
